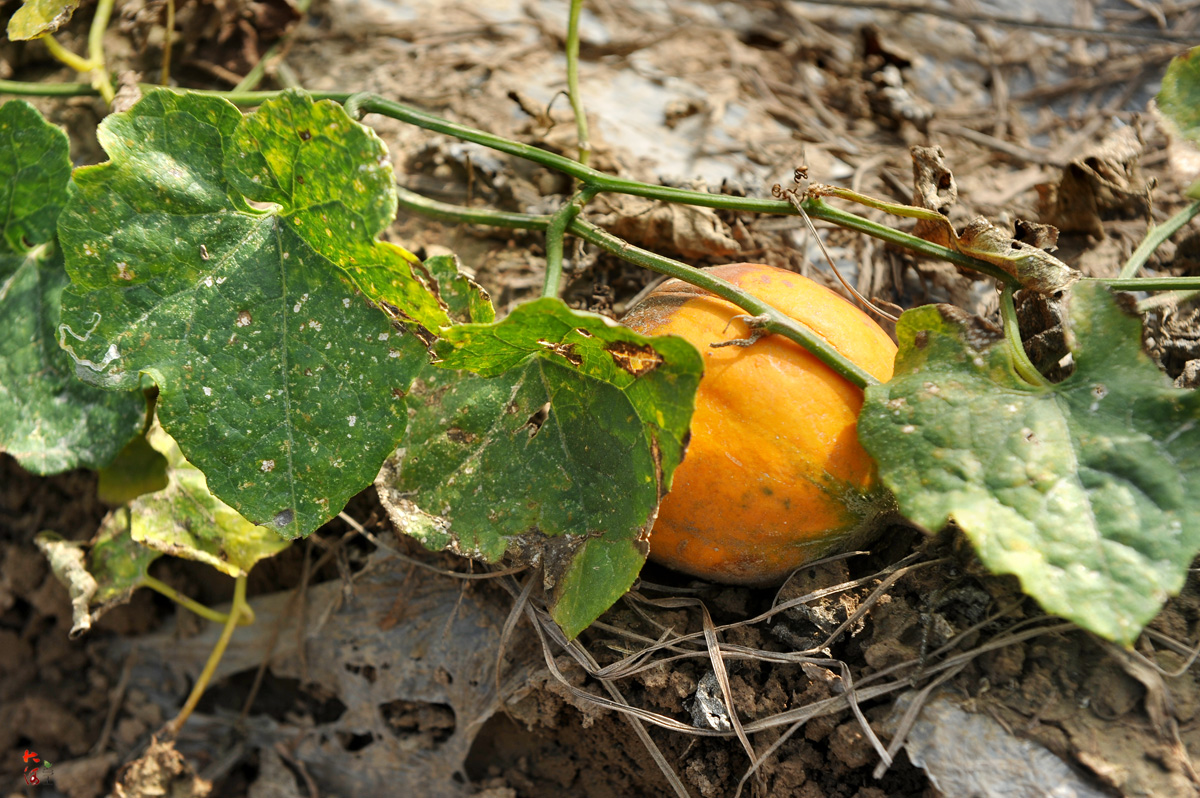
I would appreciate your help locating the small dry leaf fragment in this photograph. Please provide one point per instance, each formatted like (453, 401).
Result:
(160, 771)
(1102, 183)
(934, 189)
(684, 229)
(1023, 256)
(68, 561)
(1035, 268)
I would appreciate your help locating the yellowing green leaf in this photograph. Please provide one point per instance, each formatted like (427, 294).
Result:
(186, 520)
(37, 18)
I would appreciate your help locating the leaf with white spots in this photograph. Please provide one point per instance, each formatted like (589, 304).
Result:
(225, 257)
(555, 451)
(1088, 491)
(49, 420)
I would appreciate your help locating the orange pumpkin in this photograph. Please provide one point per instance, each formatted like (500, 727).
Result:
(774, 476)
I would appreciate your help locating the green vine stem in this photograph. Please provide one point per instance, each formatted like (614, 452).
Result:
(208, 613)
(555, 231)
(600, 181)
(1012, 333)
(572, 50)
(1148, 283)
(236, 611)
(96, 50)
(361, 103)
(24, 89)
(76, 62)
(1155, 236)
(775, 321)
(1170, 298)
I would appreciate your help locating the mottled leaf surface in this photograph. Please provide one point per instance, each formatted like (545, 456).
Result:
(223, 257)
(1088, 491)
(118, 562)
(186, 520)
(550, 436)
(36, 18)
(49, 420)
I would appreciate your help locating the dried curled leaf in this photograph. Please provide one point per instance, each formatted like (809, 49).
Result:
(1036, 269)
(100, 574)
(1101, 183)
(934, 190)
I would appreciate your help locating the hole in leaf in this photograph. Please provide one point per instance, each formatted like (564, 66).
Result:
(354, 742)
(426, 724)
(365, 671)
(258, 205)
(284, 517)
(536, 421)
(637, 360)
(277, 698)
(565, 351)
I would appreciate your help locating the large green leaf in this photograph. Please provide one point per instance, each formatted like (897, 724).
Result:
(553, 443)
(36, 18)
(49, 420)
(222, 257)
(1088, 491)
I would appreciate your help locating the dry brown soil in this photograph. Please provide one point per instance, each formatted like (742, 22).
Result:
(381, 678)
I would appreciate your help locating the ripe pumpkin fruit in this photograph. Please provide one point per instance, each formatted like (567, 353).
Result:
(774, 476)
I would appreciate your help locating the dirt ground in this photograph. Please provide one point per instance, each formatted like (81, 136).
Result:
(369, 674)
